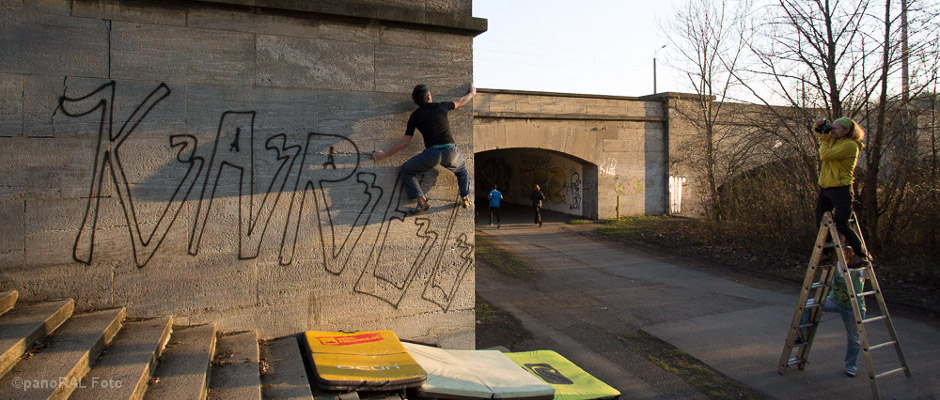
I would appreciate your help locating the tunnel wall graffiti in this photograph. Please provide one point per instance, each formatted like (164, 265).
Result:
(516, 171)
(214, 164)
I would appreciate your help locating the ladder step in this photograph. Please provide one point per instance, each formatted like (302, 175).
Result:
(868, 293)
(893, 371)
(880, 345)
(830, 245)
(794, 361)
(818, 285)
(812, 304)
(873, 319)
(857, 269)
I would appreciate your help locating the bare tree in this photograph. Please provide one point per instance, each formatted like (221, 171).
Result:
(843, 58)
(707, 35)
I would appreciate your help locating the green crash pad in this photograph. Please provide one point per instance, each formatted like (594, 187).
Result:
(570, 381)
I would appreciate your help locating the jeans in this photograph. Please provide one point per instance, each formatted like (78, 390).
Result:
(448, 157)
(853, 345)
(839, 200)
(494, 211)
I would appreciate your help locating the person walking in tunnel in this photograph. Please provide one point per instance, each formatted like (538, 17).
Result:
(439, 148)
(839, 145)
(537, 198)
(495, 197)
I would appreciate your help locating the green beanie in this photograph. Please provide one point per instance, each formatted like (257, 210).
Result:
(845, 122)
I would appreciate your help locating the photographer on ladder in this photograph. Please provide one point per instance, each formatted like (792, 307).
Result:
(839, 145)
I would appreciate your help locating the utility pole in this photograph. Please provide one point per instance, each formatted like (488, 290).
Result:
(654, 67)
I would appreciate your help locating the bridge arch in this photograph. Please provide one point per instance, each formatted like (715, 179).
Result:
(615, 145)
(568, 183)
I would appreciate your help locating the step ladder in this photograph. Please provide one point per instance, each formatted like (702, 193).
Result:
(813, 296)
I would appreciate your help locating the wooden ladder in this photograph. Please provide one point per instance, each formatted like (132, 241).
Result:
(813, 296)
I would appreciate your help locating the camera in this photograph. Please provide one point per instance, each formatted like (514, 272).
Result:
(825, 127)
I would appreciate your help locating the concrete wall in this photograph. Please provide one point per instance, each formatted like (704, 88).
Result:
(621, 142)
(209, 160)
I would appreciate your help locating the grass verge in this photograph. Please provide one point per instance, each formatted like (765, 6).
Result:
(706, 379)
(489, 252)
(497, 327)
(910, 285)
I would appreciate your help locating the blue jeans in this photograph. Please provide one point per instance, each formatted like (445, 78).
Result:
(448, 157)
(853, 345)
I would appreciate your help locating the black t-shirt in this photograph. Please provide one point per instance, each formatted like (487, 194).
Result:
(431, 120)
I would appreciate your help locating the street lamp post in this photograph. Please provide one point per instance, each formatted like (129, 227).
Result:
(654, 68)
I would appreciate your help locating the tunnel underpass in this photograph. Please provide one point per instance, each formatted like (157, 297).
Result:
(569, 184)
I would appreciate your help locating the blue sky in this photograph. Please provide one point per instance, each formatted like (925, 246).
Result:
(574, 46)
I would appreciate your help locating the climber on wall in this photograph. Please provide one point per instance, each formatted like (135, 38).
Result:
(431, 120)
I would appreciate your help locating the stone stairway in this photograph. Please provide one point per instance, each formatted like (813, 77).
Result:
(47, 352)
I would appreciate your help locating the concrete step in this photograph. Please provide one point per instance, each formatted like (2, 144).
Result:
(283, 375)
(234, 373)
(125, 367)
(184, 366)
(8, 300)
(25, 325)
(54, 369)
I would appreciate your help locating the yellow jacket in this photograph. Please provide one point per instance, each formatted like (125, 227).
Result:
(838, 158)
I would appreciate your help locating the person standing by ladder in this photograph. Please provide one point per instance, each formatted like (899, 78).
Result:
(839, 145)
(838, 302)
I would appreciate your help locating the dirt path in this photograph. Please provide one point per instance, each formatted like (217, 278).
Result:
(607, 308)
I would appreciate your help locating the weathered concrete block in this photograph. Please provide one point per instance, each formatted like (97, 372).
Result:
(346, 32)
(53, 7)
(13, 213)
(258, 22)
(364, 116)
(174, 54)
(200, 284)
(11, 105)
(88, 286)
(35, 167)
(262, 113)
(631, 145)
(314, 63)
(52, 228)
(455, 7)
(53, 45)
(432, 40)
(398, 69)
(140, 12)
(157, 109)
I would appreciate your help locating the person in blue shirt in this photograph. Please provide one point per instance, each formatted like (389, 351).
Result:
(495, 197)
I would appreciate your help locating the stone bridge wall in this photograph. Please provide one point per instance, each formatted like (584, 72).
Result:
(209, 160)
(619, 141)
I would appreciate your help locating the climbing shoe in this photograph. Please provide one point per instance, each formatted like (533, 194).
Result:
(421, 207)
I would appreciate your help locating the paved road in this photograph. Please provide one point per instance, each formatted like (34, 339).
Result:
(590, 293)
